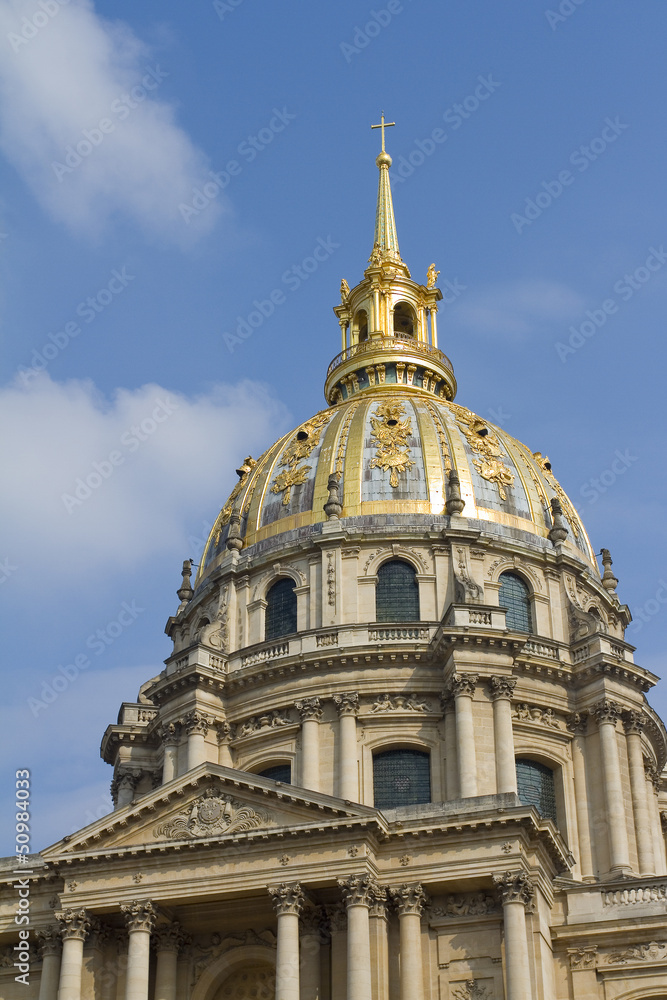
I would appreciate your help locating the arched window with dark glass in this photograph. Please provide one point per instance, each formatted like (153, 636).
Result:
(536, 787)
(401, 778)
(515, 596)
(280, 609)
(397, 593)
(278, 772)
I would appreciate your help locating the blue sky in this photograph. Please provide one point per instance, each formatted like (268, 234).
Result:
(165, 167)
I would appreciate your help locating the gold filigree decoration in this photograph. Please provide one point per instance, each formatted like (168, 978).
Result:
(342, 444)
(484, 442)
(440, 430)
(226, 512)
(391, 432)
(568, 509)
(302, 444)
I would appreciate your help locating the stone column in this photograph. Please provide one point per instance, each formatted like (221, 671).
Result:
(288, 901)
(197, 726)
(50, 946)
(93, 982)
(311, 948)
(379, 946)
(410, 899)
(502, 690)
(517, 891)
(140, 920)
(74, 930)
(348, 774)
(463, 689)
(167, 941)
(225, 734)
(633, 723)
(170, 736)
(577, 724)
(451, 765)
(338, 927)
(123, 786)
(607, 713)
(653, 790)
(359, 892)
(311, 713)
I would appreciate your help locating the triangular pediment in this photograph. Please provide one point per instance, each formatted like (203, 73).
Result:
(209, 803)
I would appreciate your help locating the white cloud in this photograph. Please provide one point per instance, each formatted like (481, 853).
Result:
(517, 311)
(63, 70)
(99, 484)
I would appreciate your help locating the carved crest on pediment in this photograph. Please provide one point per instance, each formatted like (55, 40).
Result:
(211, 814)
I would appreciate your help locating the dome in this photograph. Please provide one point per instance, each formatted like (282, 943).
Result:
(392, 448)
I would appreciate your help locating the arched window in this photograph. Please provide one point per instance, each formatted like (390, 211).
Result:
(361, 325)
(397, 593)
(401, 778)
(535, 785)
(515, 596)
(404, 320)
(280, 609)
(279, 772)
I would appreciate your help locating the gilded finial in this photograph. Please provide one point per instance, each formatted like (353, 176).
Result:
(344, 291)
(385, 243)
(383, 125)
(431, 276)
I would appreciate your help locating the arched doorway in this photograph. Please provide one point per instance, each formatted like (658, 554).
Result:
(250, 982)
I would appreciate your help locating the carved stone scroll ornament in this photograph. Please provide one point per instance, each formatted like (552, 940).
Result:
(583, 958)
(409, 898)
(463, 684)
(400, 703)
(49, 941)
(471, 990)
(259, 723)
(209, 815)
(196, 723)
(287, 898)
(540, 716)
(140, 915)
(359, 890)
(653, 951)
(515, 887)
(347, 703)
(501, 687)
(466, 590)
(170, 937)
(73, 923)
(471, 904)
(309, 709)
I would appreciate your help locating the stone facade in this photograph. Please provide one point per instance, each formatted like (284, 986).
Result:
(213, 879)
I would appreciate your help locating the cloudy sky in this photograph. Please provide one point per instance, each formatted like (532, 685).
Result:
(166, 167)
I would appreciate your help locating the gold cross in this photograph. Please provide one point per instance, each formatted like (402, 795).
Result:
(383, 125)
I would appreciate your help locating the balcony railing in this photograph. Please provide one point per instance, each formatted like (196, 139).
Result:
(407, 345)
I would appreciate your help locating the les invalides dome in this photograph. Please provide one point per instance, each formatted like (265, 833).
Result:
(401, 750)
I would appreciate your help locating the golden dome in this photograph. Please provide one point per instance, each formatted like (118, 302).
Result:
(392, 448)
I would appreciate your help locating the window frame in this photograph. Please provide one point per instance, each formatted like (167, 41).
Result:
(382, 567)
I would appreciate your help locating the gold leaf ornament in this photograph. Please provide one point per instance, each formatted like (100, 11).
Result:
(391, 430)
(301, 445)
(488, 458)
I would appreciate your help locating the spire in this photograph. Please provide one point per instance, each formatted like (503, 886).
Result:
(386, 239)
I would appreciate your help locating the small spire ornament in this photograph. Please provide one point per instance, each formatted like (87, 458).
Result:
(455, 502)
(333, 508)
(559, 530)
(234, 540)
(609, 581)
(185, 593)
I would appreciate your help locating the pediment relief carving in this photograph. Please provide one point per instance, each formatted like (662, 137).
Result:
(211, 814)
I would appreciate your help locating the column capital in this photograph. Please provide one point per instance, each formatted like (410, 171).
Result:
(577, 723)
(170, 733)
(463, 684)
(73, 924)
(347, 703)
(312, 918)
(99, 933)
(652, 775)
(378, 907)
(515, 887)
(168, 937)
(287, 898)
(140, 915)
(49, 941)
(409, 898)
(196, 723)
(501, 686)
(633, 722)
(359, 890)
(124, 778)
(309, 709)
(606, 711)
